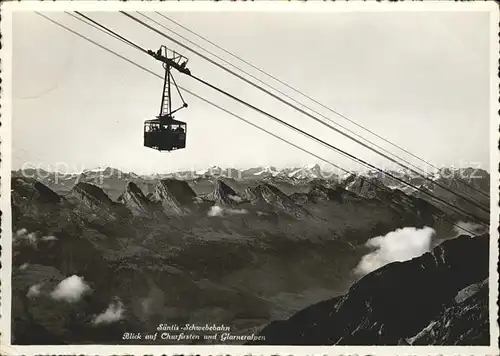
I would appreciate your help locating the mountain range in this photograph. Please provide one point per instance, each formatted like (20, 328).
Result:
(246, 252)
(312, 171)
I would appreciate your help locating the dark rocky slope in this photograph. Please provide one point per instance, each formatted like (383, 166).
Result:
(223, 194)
(398, 301)
(175, 196)
(269, 194)
(463, 323)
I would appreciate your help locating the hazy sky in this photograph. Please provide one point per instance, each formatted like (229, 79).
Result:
(419, 79)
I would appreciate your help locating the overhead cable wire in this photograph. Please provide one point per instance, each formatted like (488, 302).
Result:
(443, 186)
(313, 100)
(113, 32)
(215, 105)
(471, 201)
(104, 29)
(269, 86)
(466, 197)
(186, 90)
(456, 208)
(353, 157)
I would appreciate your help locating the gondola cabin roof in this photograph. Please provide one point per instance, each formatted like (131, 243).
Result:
(165, 122)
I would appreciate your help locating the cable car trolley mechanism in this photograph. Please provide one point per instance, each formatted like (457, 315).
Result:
(165, 133)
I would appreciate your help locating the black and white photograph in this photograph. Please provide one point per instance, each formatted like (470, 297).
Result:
(249, 176)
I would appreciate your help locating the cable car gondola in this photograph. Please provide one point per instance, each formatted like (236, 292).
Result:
(165, 133)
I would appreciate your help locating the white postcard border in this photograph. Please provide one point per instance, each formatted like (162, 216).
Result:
(311, 6)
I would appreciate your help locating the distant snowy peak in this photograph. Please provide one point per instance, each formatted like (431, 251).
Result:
(94, 170)
(311, 171)
(267, 170)
(209, 171)
(308, 172)
(102, 170)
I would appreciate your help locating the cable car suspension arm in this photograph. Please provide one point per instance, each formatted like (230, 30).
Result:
(179, 62)
(169, 58)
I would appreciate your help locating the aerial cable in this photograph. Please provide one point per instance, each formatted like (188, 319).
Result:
(270, 86)
(299, 103)
(217, 106)
(331, 146)
(310, 98)
(306, 113)
(112, 32)
(359, 160)
(186, 90)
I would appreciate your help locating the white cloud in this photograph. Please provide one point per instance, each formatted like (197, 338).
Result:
(32, 238)
(71, 289)
(219, 211)
(114, 313)
(400, 245)
(48, 238)
(215, 211)
(21, 232)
